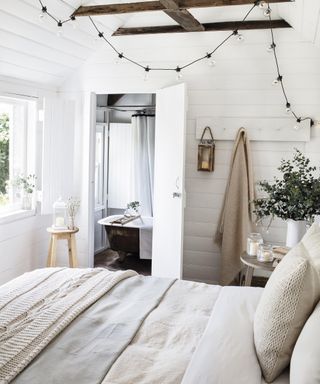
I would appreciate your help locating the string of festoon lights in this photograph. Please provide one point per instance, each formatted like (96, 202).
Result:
(263, 5)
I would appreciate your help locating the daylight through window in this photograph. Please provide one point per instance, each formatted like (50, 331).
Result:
(17, 179)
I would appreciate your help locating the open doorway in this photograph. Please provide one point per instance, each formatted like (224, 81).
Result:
(124, 179)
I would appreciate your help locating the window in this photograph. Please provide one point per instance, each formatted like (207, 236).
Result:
(17, 154)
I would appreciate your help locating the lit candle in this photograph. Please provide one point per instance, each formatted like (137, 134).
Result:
(253, 242)
(265, 253)
(205, 165)
(253, 248)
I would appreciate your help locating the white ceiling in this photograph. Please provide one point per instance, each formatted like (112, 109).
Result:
(31, 50)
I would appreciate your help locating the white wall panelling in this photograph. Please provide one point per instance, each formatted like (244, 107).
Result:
(58, 151)
(238, 87)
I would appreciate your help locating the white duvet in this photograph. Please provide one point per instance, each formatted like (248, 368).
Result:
(199, 334)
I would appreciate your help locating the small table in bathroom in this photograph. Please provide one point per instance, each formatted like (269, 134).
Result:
(251, 263)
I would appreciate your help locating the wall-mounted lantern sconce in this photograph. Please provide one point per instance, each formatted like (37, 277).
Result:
(206, 152)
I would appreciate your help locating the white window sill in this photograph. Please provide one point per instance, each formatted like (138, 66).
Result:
(9, 217)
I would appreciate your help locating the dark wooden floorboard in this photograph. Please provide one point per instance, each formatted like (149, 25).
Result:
(109, 259)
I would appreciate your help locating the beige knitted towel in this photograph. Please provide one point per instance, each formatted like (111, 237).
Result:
(37, 306)
(236, 215)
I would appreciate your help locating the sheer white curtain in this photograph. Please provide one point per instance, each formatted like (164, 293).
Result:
(143, 132)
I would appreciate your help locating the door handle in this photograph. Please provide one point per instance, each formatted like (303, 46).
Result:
(177, 194)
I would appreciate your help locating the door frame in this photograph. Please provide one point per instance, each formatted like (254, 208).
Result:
(91, 179)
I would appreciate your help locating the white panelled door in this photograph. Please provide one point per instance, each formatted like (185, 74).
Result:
(169, 192)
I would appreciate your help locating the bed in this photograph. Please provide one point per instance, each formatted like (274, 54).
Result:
(61, 325)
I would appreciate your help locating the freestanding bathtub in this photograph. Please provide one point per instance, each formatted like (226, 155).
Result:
(134, 237)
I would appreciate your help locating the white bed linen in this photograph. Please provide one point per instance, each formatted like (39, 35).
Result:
(226, 353)
(162, 348)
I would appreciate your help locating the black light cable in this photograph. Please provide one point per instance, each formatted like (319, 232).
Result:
(279, 79)
(178, 69)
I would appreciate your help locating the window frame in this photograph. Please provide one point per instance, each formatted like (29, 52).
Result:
(29, 105)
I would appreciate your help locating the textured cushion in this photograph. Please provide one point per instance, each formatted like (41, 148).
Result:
(290, 295)
(305, 367)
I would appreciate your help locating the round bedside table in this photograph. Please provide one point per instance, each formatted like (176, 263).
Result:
(251, 264)
(67, 234)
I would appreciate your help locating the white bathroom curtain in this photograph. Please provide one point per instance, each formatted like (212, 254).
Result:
(143, 136)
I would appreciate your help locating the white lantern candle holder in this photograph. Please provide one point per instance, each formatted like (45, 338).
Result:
(60, 215)
(253, 242)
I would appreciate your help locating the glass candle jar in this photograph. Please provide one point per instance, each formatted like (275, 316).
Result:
(265, 253)
(253, 242)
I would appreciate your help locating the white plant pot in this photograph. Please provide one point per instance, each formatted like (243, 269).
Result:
(295, 232)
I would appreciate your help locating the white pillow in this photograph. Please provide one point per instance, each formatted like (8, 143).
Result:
(305, 361)
(290, 295)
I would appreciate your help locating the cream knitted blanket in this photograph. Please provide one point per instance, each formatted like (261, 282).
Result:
(36, 307)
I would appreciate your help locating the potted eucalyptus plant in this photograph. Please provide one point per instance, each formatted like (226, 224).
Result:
(27, 185)
(295, 197)
(132, 209)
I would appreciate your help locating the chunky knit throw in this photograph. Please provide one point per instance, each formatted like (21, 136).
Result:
(37, 306)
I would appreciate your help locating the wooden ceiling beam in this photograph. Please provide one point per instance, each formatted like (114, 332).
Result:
(182, 16)
(223, 26)
(113, 9)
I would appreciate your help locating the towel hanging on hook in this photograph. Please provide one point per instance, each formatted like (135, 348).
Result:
(206, 152)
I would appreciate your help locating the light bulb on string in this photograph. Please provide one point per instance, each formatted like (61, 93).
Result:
(73, 21)
(262, 4)
(271, 47)
(119, 57)
(288, 108)
(211, 62)
(59, 32)
(267, 12)
(297, 126)
(240, 37)
(146, 73)
(179, 74)
(277, 80)
(43, 13)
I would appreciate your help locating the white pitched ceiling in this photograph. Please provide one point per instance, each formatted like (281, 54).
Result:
(31, 50)
(304, 16)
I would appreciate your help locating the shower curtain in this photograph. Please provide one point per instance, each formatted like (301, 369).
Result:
(143, 131)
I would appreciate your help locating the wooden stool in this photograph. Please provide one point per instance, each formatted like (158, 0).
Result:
(68, 234)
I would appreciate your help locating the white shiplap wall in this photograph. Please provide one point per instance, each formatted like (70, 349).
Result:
(239, 86)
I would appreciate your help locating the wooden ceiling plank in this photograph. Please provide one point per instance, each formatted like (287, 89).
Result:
(112, 9)
(170, 4)
(222, 26)
(185, 19)
(181, 16)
